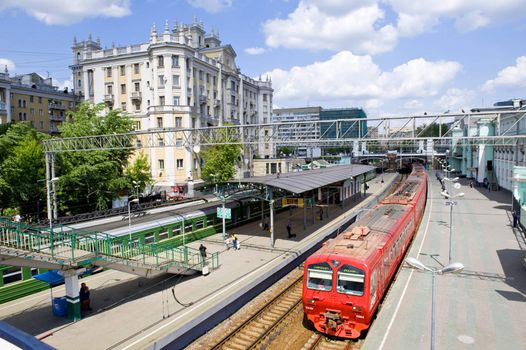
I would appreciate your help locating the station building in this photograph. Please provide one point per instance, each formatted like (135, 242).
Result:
(182, 78)
(306, 115)
(31, 98)
(495, 166)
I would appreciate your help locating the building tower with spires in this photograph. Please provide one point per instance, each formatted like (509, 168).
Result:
(181, 78)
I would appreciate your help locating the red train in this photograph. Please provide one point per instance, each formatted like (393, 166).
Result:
(345, 280)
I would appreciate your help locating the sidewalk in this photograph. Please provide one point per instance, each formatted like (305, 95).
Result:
(483, 306)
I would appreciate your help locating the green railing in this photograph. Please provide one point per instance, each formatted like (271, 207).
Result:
(77, 247)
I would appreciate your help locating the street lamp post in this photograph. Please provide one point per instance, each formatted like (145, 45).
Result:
(136, 200)
(451, 203)
(451, 268)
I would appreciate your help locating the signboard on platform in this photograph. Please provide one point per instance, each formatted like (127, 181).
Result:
(228, 213)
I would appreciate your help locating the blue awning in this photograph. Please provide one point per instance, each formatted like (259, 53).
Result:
(52, 277)
(55, 277)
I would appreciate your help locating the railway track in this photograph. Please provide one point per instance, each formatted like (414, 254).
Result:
(258, 330)
(319, 342)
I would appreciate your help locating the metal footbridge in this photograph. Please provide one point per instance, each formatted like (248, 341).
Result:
(25, 245)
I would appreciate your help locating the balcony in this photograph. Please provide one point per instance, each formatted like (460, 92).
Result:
(136, 95)
(171, 109)
(57, 106)
(57, 118)
(108, 98)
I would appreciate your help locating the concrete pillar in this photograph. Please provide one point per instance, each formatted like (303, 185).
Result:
(71, 279)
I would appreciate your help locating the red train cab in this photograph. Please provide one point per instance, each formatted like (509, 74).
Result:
(346, 279)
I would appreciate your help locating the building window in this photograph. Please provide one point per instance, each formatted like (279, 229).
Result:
(108, 72)
(123, 70)
(40, 100)
(79, 83)
(176, 101)
(31, 99)
(137, 87)
(161, 100)
(41, 124)
(175, 61)
(123, 89)
(233, 99)
(160, 61)
(123, 106)
(32, 112)
(19, 103)
(136, 68)
(178, 142)
(40, 113)
(159, 122)
(264, 97)
(161, 81)
(179, 164)
(178, 122)
(160, 141)
(175, 80)
(109, 88)
(138, 106)
(161, 164)
(233, 85)
(193, 123)
(137, 125)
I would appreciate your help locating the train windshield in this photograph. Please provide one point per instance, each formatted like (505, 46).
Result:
(350, 280)
(319, 276)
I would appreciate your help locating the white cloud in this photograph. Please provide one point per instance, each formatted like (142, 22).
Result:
(362, 27)
(456, 99)
(6, 62)
(64, 84)
(350, 77)
(511, 76)
(332, 25)
(255, 50)
(68, 11)
(419, 16)
(413, 104)
(212, 6)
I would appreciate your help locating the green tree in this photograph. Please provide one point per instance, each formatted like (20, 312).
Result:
(138, 173)
(22, 169)
(90, 180)
(432, 130)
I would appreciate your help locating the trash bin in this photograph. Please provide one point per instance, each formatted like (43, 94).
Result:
(60, 307)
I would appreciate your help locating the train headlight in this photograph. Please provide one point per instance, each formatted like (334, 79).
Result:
(335, 263)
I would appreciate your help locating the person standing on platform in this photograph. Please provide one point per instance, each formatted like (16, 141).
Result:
(84, 297)
(515, 219)
(234, 241)
(202, 251)
(289, 229)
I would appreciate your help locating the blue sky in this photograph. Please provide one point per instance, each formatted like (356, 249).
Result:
(390, 57)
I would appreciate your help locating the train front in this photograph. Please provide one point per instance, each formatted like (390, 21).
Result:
(334, 295)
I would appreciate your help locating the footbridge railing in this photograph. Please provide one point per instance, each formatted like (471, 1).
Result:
(69, 248)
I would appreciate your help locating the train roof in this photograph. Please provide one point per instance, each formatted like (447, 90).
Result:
(362, 239)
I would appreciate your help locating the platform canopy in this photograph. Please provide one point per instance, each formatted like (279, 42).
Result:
(304, 181)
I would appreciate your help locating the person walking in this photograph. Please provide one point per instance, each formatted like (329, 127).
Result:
(84, 297)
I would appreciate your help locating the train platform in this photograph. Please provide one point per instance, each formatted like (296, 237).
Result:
(130, 312)
(481, 307)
